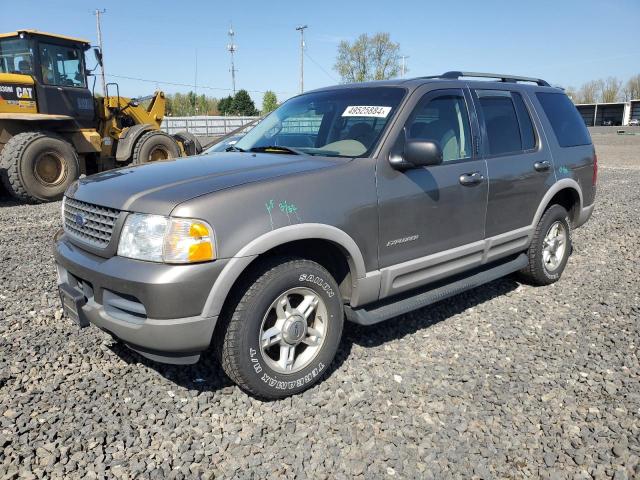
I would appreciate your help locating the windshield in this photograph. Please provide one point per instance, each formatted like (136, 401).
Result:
(337, 123)
(15, 56)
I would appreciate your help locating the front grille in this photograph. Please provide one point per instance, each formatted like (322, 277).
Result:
(89, 223)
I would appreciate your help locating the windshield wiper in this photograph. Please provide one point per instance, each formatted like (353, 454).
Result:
(233, 148)
(276, 149)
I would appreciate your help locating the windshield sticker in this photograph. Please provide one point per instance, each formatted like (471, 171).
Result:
(366, 111)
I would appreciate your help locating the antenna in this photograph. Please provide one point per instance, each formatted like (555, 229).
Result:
(232, 48)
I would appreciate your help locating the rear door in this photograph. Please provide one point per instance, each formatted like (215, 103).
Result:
(519, 162)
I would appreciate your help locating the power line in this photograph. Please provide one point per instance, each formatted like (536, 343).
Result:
(177, 84)
(322, 68)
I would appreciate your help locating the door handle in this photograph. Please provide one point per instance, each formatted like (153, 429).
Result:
(542, 166)
(470, 179)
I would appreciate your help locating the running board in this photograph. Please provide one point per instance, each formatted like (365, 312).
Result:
(368, 315)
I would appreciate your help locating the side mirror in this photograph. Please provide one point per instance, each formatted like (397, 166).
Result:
(417, 153)
(98, 54)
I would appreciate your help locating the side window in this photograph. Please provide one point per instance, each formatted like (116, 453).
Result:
(567, 124)
(61, 65)
(445, 120)
(501, 121)
(527, 133)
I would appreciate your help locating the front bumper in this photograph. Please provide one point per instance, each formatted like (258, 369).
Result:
(156, 309)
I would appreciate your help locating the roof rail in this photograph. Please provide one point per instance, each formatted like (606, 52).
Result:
(503, 78)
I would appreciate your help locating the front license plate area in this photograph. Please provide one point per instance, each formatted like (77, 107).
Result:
(72, 303)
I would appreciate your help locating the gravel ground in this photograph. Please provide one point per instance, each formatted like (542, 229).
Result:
(505, 381)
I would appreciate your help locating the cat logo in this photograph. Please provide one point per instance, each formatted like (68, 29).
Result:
(24, 92)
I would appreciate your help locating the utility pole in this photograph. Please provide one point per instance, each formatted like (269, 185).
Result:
(97, 13)
(301, 30)
(403, 68)
(232, 48)
(195, 86)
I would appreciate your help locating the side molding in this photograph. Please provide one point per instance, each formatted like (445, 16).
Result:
(280, 236)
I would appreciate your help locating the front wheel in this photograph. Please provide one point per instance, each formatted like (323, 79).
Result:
(39, 166)
(284, 330)
(550, 248)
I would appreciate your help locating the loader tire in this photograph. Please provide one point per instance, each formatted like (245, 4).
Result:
(153, 146)
(190, 143)
(38, 166)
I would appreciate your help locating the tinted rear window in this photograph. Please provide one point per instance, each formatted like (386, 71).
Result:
(565, 120)
(501, 122)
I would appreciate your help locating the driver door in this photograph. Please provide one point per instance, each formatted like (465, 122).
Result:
(432, 219)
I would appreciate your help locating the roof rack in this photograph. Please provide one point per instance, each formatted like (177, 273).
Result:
(454, 75)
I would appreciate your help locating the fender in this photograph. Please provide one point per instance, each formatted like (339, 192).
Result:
(280, 236)
(128, 139)
(555, 188)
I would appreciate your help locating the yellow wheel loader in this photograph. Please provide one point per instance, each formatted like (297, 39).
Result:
(53, 129)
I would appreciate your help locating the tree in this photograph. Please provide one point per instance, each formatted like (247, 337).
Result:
(573, 94)
(242, 104)
(225, 105)
(610, 89)
(184, 105)
(632, 88)
(589, 92)
(368, 58)
(269, 102)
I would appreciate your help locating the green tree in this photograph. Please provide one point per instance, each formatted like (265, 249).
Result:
(269, 102)
(368, 58)
(242, 104)
(225, 105)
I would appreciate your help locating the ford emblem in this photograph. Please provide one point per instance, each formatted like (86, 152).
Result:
(80, 220)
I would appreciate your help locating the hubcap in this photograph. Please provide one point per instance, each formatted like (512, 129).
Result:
(554, 246)
(49, 169)
(293, 330)
(158, 153)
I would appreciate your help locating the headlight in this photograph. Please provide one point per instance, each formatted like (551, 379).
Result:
(165, 239)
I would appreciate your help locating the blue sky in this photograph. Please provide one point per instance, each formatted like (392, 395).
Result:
(565, 42)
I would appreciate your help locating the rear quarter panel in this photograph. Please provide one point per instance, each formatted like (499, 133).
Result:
(569, 162)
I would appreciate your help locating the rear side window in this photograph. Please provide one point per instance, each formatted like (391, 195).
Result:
(501, 121)
(565, 120)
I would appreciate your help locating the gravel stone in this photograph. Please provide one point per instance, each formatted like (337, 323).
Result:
(504, 381)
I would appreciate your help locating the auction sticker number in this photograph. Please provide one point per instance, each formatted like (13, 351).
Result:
(366, 111)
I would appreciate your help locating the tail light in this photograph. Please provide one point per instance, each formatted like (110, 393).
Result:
(595, 168)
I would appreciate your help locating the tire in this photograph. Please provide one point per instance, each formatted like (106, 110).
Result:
(153, 146)
(544, 268)
(261, 371)
(39, 166)
(190, 143)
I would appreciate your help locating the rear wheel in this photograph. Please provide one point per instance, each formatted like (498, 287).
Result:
(284, 329)
(190, 143)
(39, 166)
(153, 146)
(550, 248)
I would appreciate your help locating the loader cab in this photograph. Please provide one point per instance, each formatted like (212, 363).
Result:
(56, 63)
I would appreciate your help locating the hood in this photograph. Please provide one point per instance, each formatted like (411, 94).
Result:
(159, 187)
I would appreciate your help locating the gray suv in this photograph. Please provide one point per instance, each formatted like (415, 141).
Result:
(358, 202)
